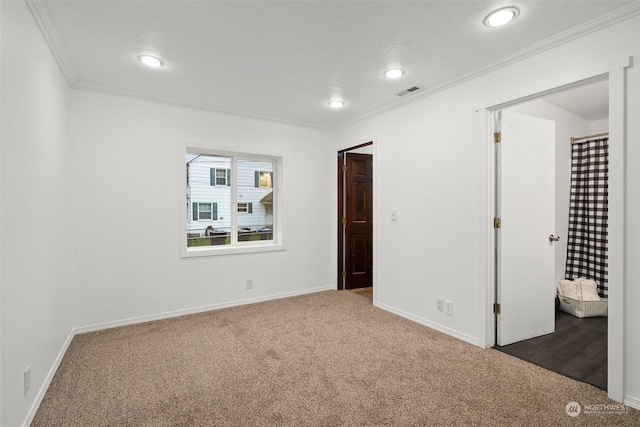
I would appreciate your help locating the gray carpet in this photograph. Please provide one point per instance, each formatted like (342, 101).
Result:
(326, 359)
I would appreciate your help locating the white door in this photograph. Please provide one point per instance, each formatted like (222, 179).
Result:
(525, 204)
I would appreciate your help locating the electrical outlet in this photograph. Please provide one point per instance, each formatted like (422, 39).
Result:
(439, 304)
(249, 283)
(448, 308)
(27, 379)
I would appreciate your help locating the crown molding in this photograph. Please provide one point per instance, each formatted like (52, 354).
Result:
(630, 11)
(194, 106)
(41, 15)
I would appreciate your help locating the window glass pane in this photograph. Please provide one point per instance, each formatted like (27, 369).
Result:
(255, 199)
(265, 180)
(210, 223)
(204, 211)
(229, 200)
(221, 176)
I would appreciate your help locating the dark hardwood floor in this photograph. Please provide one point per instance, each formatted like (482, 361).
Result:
(578, 349)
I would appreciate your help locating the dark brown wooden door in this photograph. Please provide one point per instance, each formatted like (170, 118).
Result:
(358, 245)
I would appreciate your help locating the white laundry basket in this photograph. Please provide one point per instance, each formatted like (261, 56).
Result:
(583, 308)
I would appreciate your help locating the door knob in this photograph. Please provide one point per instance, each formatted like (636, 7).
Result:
(554, 238)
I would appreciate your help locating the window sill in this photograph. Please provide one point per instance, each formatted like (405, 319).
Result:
(230, 250)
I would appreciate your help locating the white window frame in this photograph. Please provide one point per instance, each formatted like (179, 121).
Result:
(236, 247)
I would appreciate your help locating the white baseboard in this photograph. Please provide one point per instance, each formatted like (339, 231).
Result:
(445, 330)
(201, 309)
(633, 402)
(47, 381)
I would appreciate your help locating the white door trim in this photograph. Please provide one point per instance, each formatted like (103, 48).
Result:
(614, 70)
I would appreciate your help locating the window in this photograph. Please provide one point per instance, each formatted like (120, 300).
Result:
(263, 179)
(245, 207)
(205, 211)
(219, 177)
(234, 203)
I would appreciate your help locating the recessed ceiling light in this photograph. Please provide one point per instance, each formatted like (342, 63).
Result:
(501, 17)
(393, 73)
(151, 61)
(336, 104)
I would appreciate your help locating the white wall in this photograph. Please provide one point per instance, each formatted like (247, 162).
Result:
(128, 263)
(430, 166)
(36, 257)
(600, 126)
(567, 125)
(427, 172)
(126, 228)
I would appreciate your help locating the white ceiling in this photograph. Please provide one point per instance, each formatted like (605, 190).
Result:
(285, 60)
(589, 101)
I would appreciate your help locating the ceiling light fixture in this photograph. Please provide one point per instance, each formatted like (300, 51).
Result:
(336, 104)
(393, 73)
(501, 17)
(151, 61)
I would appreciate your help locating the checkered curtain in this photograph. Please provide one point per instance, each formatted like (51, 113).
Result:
(588, 213)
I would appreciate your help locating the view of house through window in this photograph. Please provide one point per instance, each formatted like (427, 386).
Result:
(229, 200)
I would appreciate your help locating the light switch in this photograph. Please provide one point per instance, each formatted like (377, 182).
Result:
(394, 215)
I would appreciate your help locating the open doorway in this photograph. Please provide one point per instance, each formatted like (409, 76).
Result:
(551, 338)
(355, 219)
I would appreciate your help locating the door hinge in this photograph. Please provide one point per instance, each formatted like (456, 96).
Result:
(497, 137)
(344, 221)
(496, 308)
(344, 168)
(344, 273)
(497, 222)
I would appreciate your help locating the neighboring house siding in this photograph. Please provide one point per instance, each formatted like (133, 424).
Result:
(249, 193)
(200, 190)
